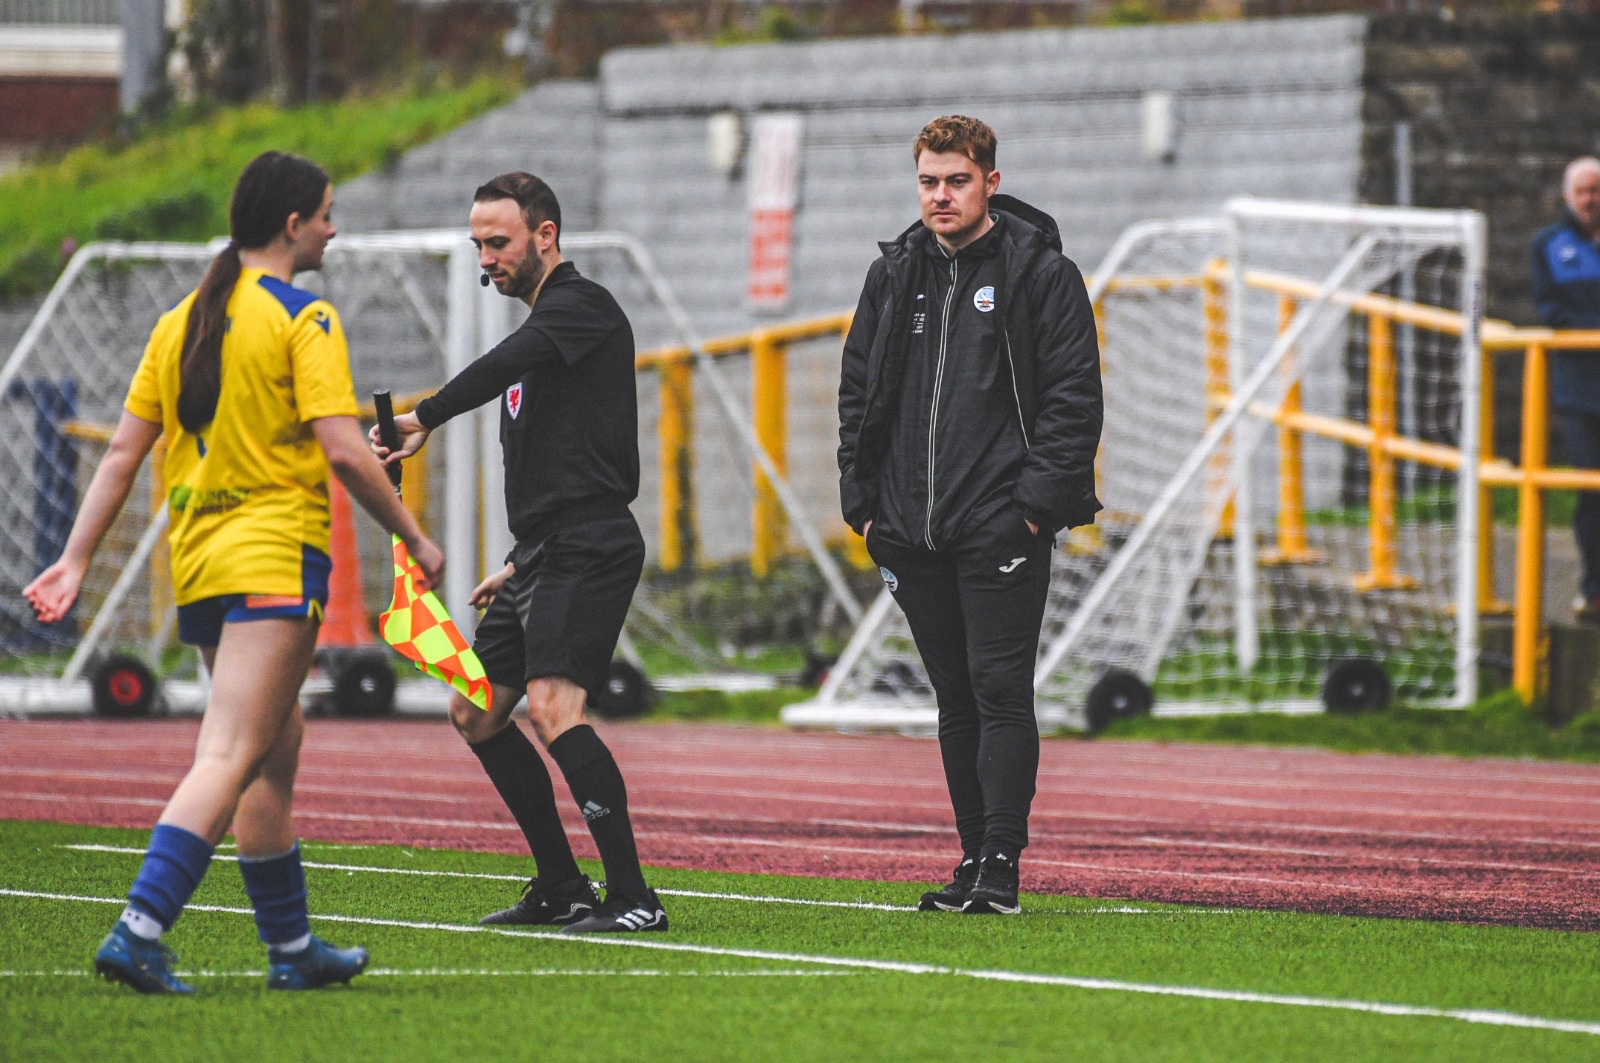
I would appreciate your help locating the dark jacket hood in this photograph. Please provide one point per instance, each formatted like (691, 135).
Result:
(1028, 223)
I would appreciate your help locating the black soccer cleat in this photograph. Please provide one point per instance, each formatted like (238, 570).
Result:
(543, 905)
(995, 891)
(619, 915)
(953, 896)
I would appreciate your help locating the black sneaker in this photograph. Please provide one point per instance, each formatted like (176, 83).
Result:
(953, 896)
(619, 915)
(995, 892)
(543, 905)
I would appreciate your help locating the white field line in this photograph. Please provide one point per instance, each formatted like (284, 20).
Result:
(645, 771)
(699, 894)
(445, 972)
(642, 774)
(1469, 1015)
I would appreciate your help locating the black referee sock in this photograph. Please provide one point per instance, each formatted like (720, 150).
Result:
(602, 797)
(519, 774)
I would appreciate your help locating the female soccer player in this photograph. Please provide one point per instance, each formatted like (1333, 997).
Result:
(249, 380)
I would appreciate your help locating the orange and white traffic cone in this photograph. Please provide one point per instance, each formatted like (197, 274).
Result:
(345, 624)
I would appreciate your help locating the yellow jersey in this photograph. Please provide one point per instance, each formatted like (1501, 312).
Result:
(249, 490)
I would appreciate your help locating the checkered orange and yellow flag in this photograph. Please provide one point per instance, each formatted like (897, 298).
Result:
(417, 625)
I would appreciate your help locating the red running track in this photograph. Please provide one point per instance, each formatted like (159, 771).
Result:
(1418, 837)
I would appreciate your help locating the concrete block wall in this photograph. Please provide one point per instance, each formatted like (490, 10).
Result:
(1266, 108)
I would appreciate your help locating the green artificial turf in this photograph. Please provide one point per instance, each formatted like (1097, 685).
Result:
(743, 980)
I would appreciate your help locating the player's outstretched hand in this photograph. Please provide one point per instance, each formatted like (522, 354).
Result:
(430, 559)
(54, 591)
(484, 592)
(412, 436)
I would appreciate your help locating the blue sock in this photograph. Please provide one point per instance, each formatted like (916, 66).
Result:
(173, 866)
(277, 889)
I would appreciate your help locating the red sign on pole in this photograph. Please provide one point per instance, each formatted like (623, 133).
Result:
(774, 194)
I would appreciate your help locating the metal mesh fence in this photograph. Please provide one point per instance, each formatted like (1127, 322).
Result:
(1280, 467)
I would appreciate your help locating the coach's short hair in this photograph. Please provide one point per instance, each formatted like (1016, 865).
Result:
(537, 201)
(960, 134)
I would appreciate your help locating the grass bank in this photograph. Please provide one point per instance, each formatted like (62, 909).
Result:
(173, 181)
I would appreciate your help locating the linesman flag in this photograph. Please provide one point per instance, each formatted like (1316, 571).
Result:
(417, 625)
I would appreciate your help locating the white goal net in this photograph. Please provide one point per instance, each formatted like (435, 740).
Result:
(1288, 468)
(414, 314)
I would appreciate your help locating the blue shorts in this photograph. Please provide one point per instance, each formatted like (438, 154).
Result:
(200, 623)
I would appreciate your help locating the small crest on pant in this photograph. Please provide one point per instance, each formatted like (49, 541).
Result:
(890, 580)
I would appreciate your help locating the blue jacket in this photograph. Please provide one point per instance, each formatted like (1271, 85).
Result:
(1566, 289)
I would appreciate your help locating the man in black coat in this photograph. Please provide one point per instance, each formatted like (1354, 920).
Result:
(970, 413)
(569, 431)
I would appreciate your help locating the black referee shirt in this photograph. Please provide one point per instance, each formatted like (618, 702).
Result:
(569, 416)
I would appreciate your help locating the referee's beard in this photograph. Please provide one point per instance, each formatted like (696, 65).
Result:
(523, 281)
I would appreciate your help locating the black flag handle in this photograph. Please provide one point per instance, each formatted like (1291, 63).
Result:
(387, 435)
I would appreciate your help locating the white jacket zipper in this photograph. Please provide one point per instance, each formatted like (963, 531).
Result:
(1026, 443)
(938, 381)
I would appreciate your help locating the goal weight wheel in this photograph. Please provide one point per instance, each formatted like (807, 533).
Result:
(1117, 695)
(627, 693)
(363, 684)
(123, 688)
(1356, 684)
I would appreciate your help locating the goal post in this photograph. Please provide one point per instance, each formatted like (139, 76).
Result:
(415, 314)
(1289, 468)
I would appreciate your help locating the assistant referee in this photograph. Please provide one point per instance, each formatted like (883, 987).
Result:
(569, 427)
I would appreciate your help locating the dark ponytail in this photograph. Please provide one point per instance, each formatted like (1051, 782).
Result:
(274, 186)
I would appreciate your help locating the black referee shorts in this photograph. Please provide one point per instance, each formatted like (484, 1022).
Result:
(561, 612)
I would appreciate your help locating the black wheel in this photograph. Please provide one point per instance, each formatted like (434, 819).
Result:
(1356, 684)
(816, 669)
(627, 694)
(123, 688)
(1117, 695)
(363, 685)
(900, 677)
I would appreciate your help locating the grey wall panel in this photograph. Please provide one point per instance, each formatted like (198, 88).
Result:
(1264, 108)
(1045, 62)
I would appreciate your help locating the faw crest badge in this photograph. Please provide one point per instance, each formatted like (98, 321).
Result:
(514, 399)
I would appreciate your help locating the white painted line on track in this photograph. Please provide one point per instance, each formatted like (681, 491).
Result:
(1348, 854)
(1468, 1015)
(1106, 869)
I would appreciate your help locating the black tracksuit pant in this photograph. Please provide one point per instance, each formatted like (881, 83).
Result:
(975, 609)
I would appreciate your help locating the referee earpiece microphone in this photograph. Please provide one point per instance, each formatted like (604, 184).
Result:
(483, 279)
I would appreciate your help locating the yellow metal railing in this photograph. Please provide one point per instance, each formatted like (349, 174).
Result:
(1385, 446)
(1378, 436)
(768, 351)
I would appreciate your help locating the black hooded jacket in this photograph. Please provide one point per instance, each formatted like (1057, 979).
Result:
(970, 383)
